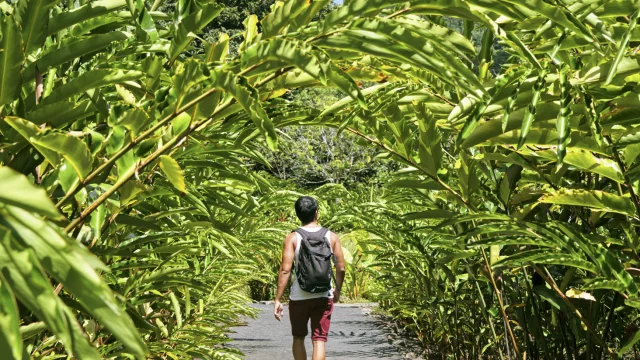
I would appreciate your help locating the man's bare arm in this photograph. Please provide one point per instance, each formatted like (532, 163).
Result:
(288, 253)
(340, 267)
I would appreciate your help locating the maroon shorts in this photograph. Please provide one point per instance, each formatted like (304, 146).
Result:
(318, 310)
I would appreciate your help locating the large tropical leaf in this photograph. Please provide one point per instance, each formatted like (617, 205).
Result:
(74, 267)
(595, 199)
(21, 272)
(11, 59)
(33, 17)
(10, 338)
(189, 26)
(18, 191)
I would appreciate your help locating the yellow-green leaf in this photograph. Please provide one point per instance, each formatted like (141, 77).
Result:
(173, 172)
(594, 199)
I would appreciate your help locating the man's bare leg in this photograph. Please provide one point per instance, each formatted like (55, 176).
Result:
(299, 352)
(318, 350)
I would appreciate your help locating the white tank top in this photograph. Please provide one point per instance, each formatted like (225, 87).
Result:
(296, 292)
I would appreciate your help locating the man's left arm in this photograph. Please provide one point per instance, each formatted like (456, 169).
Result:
(340, 267)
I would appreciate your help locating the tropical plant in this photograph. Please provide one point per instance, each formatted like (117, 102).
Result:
(516, 213)
(518, 208)
(140, 146)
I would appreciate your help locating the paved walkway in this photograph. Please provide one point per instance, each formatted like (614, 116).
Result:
(353, 335)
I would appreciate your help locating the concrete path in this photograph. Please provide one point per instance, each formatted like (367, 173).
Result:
(353, 335)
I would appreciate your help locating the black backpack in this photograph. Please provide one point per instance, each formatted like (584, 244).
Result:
(313, 268)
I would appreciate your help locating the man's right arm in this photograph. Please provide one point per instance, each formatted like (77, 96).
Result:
(288, 253)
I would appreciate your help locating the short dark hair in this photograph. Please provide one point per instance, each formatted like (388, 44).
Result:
(306, 208)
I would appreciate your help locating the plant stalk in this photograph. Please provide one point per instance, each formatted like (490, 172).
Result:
(130, 146)
(547, 277)
(500, 303)
(131, 172)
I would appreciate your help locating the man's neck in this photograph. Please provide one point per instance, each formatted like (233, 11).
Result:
(311, 224)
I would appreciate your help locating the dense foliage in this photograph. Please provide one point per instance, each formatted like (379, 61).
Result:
(512, 231)
(131, 221)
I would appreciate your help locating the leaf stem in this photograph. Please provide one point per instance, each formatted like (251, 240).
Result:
(131, 145)
(411, 162)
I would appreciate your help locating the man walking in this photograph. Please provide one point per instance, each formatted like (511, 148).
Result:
(310, 248)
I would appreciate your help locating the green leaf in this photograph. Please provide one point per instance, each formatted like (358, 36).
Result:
(136, 222)
(594, 199)
(540, 137)
(588, 162)
(250, 33)
(307, 15)
(249, 99)
(414, 38)
(429, 214)
(94, 9)
(29, 131)
(415, 184)
(133, 120)
(281, 15)
(173, 172)
(560, 16)
(17, 190)
(145, 21)
(33, 18)
(628, 65)
(628, 343)
(601, 283)
(89, 80)
(545, 257)
(633, 21)
(348, 257)
(75, 152)
(237, 87)
(19, 270)
(486, 52)
(189, 26)
(456, 8)
(10, 337)
(98, 218)
(513, 41)
(562, 125)
(382, 46)
(514, 86)
(468, 177)
(218, 52)
(74, 266)
(442, 37)
(11, 59)
(511, 102)
(176, 308)
(430, 147)
(302, 56)
(72, 49)
(531, 110)
(61, 113)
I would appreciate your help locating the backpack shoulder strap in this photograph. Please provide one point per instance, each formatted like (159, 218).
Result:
(323, 231)
(302, 232)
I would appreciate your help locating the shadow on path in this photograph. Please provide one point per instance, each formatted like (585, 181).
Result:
(353, 335)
